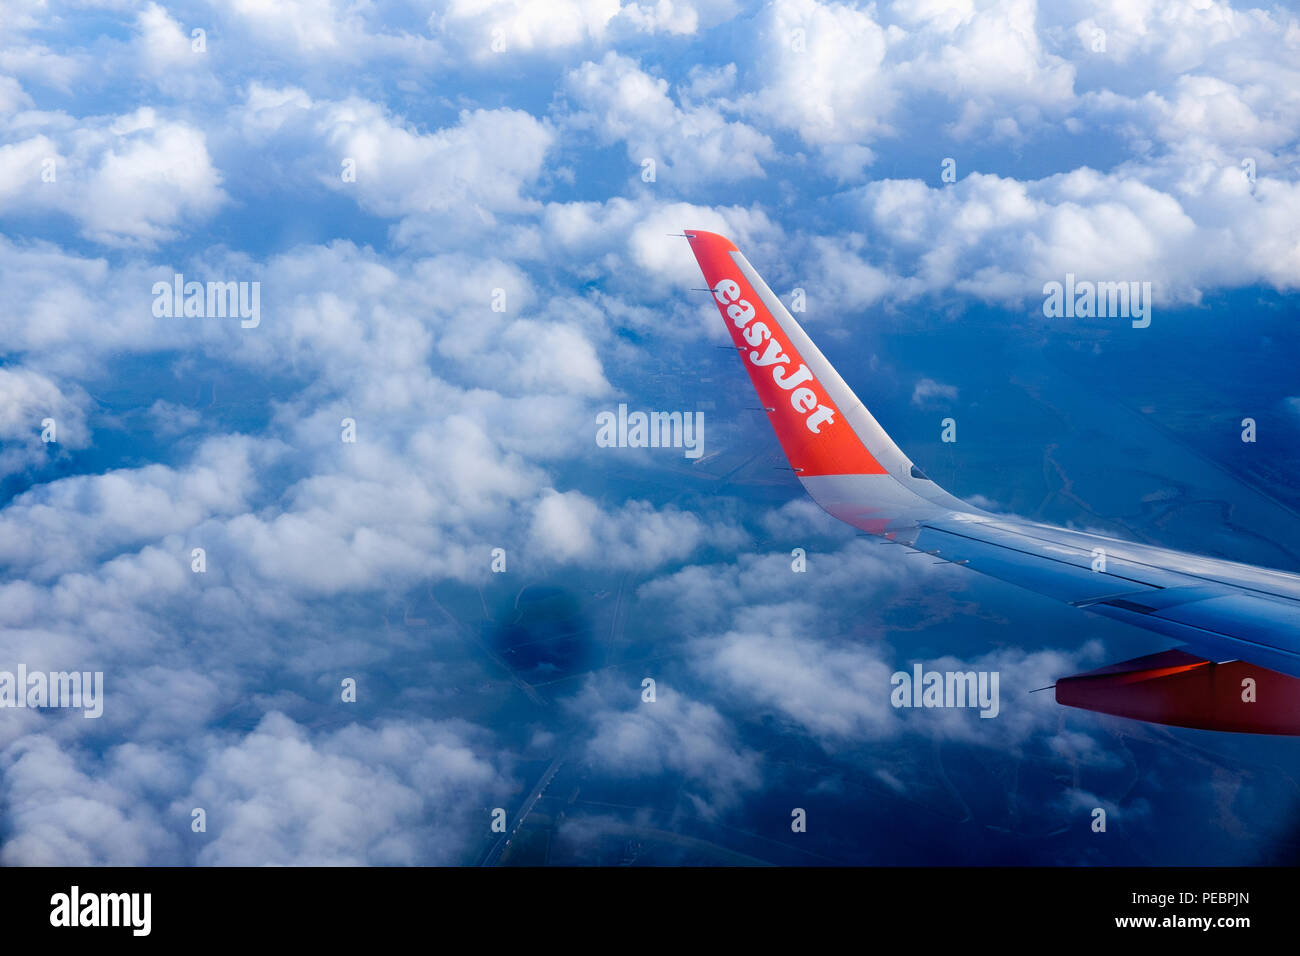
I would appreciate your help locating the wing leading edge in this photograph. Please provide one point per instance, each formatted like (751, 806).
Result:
(1241, 622)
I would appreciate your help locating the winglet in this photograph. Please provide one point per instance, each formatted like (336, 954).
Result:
(809, 422)
(842, 456)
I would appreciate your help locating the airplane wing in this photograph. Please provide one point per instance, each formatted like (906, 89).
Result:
(1239, 625)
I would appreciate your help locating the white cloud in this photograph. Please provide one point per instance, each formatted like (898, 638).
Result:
(928, 392)
(312, 31)
(27, 400)
(518, 25)
(130, 179)
(673, 735)
(12, 96)
(170, 419)
(989, 61)
(833, 692)
(401, 793)
(163, 42)
(819, 70)
(571, 528)
(453, 181)
(482, 163)
(486, 29)
(688, 145)
(61, 815)
(64, 524)
(1001, 239)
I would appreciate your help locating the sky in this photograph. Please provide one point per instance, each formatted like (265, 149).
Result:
(426, 592)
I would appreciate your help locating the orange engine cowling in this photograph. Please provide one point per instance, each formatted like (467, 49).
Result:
(1184, 690)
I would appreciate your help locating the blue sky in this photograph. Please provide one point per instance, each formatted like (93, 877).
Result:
(502, 154)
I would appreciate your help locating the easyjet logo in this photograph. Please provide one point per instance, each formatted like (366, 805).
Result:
(802, 398)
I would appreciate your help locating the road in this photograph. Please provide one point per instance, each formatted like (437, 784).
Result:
(545, 781)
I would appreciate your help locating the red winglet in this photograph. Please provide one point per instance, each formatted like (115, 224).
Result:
(812, 431)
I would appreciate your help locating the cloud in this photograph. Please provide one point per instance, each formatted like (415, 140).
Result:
(819, 70)
(833, 693)
(484, 30)
(12, 96)
(28, 400)
(515, 25)
(401, 793)
(133, 179)
(66, 524)
(673, 735)
(165, 45)
(690, 595)
(1000, 239)
(928, 392)
(621, 102)
(62, 816)
(483, 163)
(989, 61)
(170, 419)
(323, 30)
(571, 528)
